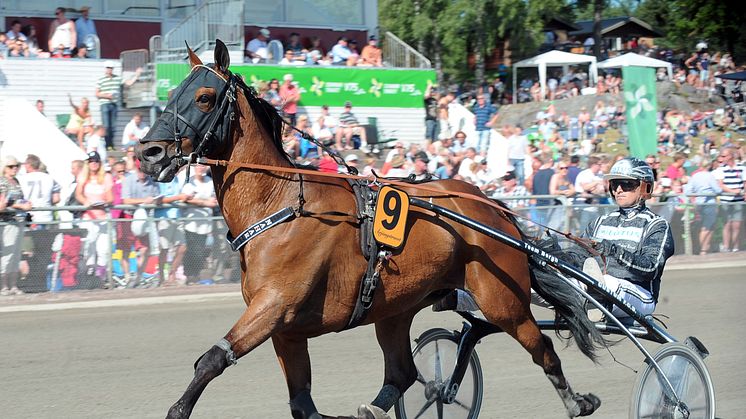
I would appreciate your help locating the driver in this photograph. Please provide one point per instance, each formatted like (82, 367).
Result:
(635, 241)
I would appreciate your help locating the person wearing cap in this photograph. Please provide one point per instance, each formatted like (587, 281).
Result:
(85, 27)
(349, 126)
(93, 190)
(398, 167)
(352, 161)
(371, 55)
(420, 169)
(107, 92)
(62, 35)
(257, 50)
(634, 240)
(340, 52)
(11, 226)
(290, 96)
(510, 188)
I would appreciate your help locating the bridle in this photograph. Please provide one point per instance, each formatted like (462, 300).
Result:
(226, 113)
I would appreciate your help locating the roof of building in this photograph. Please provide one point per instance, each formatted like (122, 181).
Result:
(618, 26)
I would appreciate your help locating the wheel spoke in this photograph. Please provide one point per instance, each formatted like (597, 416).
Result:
(437, 366)
(439, 408)
(457, 402)
(424, 408)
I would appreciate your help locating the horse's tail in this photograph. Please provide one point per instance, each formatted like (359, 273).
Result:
(569, 306)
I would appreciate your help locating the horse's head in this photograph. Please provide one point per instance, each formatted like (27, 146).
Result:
(196, 121)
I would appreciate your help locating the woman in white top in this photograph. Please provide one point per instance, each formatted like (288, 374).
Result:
(198, 225)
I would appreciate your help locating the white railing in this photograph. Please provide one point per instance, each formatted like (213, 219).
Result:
(397, 53)
(217, 19)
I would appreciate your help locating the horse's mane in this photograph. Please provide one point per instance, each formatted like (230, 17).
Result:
(267, 115)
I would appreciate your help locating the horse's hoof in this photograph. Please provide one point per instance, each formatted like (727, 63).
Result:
(588, 403)
(371, 412)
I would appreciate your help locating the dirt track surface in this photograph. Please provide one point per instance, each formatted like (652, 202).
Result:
(134, 361)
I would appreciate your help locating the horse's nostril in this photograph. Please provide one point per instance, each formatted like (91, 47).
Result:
(153, 153)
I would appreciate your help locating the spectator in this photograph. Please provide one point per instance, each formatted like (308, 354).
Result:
(371, 55)
(107, 92)
(517, 151)
(431, 113)
(85, 28)
(62, 35)
(483, 113)
(294, 45)
(676, 171)
(257, 50)
(119, 174)
(15, 32)
(340, 52)
(398, 167)
(573, 169)
(540, 186)
(323, 128)
(134, 131)
(349, 127)
(11, 224)
(589, 185)
(67, 192)
(370, 166)
(3, 46)
(18, 48)
(171, 230)
(40, 106)
(93, 190)
(315, 53)
(289, 59)
(419, 169)
(272, 95)
(731, 177)
(202, 200)
(139, 189)
(81, 121)
(510, 188)
(41, 188)
(352, 161)
(290, 96)
(354, 57)
(33, 43)
(560, 184)
(468, 165)
(97, 142)
(704, 182)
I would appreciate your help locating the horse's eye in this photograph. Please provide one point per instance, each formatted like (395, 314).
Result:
(204, 99)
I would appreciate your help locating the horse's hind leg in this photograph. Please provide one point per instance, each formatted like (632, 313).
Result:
(503, 306)
(400, 371)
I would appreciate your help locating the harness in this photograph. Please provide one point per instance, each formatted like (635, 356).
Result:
(364, 189)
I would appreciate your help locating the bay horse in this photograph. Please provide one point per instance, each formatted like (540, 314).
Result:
(301, 278)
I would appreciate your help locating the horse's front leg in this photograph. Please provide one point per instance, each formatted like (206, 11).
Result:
(295, 362)
(261, 319)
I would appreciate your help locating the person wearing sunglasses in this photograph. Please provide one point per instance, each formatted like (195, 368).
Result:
(11, 226)
(634, 240)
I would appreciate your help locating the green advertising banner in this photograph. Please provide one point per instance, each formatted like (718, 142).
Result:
(331, 86)
(641, 103)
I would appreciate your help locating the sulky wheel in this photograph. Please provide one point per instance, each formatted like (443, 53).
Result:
(435, 357)
(688, 375)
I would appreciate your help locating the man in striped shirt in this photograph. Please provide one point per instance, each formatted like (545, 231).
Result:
(107, 92)
(731, 177)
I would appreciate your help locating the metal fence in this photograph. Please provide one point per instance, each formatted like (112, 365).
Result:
(397, 53)
(141, 250)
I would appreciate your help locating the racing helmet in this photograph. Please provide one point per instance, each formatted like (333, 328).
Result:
(635, 169)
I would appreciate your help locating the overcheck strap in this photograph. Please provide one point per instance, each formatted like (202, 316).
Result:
(259, 227)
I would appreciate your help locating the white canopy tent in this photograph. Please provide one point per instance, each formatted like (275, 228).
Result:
(25, 131)
(554, 59)
(632, 59)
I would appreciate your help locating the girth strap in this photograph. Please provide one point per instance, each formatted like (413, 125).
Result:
(259, 227)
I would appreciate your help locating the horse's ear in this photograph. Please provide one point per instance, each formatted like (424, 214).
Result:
(193, 58)
(222, 58)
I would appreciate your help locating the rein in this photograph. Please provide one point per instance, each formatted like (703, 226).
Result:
(374, 180)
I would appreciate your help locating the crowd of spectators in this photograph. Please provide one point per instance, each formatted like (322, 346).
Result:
(67, 38)
(345, 52)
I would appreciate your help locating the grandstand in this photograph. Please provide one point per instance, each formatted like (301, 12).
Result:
(388, 98)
